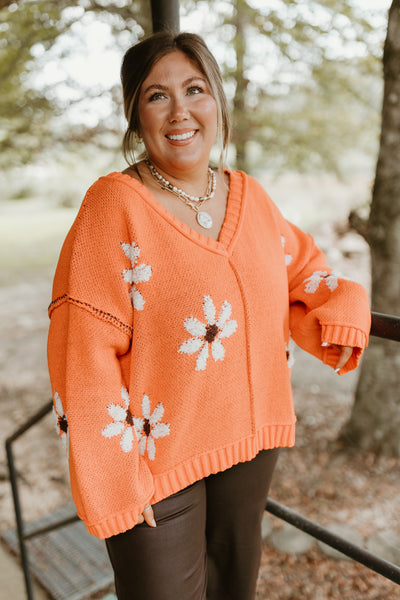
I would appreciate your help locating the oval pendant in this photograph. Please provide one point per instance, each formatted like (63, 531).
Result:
(204, 220)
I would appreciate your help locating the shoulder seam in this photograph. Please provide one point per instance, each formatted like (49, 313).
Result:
(100, 314)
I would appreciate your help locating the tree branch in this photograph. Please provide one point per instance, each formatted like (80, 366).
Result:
(359, 224)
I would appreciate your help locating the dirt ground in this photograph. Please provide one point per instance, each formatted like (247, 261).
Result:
(318, 478)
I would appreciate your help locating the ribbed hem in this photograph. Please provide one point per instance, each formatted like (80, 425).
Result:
(194, 469)
(220, 459)
(117, 523)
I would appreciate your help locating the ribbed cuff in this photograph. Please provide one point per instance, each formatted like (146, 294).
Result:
(343, 336)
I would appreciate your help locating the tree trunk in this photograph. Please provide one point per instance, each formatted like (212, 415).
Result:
(375, 420)
(240, 133)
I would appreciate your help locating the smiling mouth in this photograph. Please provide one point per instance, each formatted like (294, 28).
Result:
(182, 136)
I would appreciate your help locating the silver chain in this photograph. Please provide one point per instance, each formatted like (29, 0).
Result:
(194, 202)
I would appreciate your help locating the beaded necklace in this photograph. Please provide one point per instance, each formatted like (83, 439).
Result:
(203, 218)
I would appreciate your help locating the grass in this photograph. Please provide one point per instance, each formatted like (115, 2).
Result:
(31, 235)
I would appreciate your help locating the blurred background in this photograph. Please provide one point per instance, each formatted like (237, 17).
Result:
(305, 82)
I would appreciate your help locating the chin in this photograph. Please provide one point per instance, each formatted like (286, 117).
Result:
(188, 162)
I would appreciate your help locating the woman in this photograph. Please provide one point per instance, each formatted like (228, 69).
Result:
(175, 297)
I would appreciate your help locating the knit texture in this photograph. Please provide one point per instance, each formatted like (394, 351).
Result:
(170, 353)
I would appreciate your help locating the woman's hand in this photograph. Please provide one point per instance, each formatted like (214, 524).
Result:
(345, 354)
(147, 516)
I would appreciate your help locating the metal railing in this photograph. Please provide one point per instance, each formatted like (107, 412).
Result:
(385, 326)
(388, 327)
(357, 553)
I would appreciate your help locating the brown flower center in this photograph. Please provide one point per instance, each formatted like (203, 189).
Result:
(147, 427)
(129, 417)
(63, 424)
(211, 333)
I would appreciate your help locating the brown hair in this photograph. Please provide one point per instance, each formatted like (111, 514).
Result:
(137, 64)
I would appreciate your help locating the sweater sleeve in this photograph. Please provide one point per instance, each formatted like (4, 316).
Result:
(89, 339)
(325, 308)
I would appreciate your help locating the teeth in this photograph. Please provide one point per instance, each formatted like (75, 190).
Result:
(183, 136)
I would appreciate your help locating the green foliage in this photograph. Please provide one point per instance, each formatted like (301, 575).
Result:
(30, 28)
(23, 110)
(305, 77)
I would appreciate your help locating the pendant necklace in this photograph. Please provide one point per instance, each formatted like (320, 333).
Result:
(203, 218)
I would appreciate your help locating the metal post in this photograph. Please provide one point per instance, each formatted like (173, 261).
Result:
(20, 526)
(165, 15)
(15, 492)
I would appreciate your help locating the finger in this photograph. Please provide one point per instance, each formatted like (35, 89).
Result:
(148, 516)
(140, 519)
(345, 354)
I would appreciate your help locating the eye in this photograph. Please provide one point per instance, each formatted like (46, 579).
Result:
(195, 89)
(156, 96)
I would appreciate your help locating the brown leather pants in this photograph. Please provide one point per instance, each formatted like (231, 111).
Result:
(207, 543)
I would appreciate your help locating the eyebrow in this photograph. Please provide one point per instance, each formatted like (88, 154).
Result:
(159, 86)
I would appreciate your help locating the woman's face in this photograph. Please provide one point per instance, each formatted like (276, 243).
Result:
(177, 115)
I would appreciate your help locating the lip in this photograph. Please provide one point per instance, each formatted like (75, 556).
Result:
(181, 132)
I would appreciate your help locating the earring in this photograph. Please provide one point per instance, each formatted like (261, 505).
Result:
(138, 138)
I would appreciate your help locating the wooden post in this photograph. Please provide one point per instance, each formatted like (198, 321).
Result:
(165, 15)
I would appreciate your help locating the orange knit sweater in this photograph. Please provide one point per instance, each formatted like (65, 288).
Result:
(170, 353)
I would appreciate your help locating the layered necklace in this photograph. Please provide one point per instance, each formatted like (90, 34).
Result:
(203, 218)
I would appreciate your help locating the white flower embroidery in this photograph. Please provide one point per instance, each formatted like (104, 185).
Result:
(288, 257)
(148, 428)
(312, 283)
(62, 421)
(135, 275)
(289, 347)
(122, 422)
(208, 334)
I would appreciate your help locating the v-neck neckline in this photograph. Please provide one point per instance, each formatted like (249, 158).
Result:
(233, 215)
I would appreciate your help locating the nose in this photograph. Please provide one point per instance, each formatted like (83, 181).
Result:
(179, 110)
